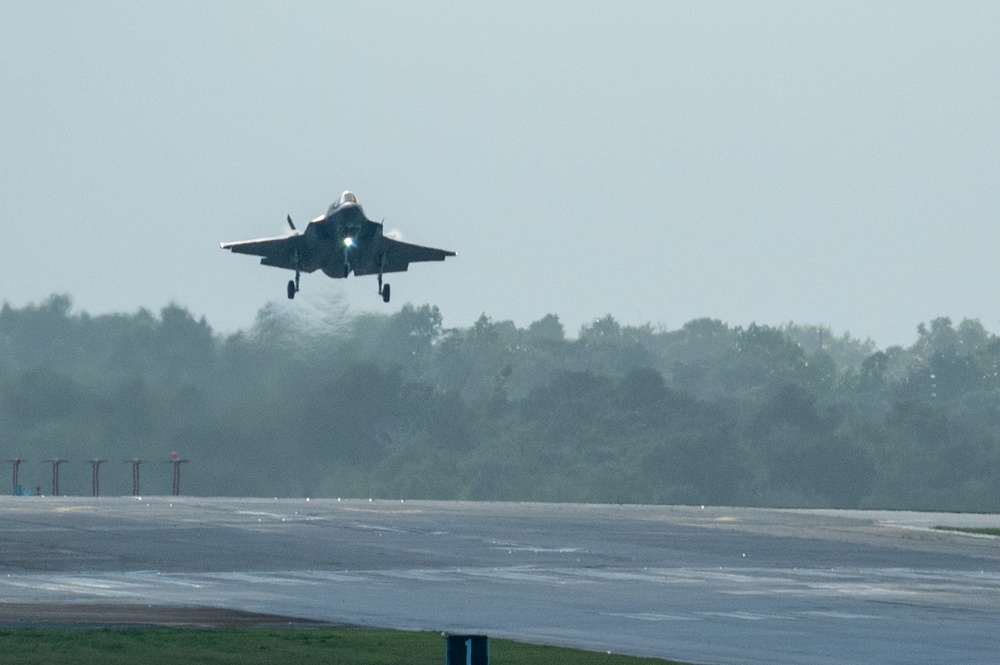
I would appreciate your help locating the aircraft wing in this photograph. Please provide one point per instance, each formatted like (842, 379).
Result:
(277, 252)
(399, 255)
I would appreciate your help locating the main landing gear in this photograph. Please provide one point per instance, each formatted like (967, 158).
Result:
(382, 290)
(293, 286)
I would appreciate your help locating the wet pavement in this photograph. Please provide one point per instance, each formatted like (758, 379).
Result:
(706, 585)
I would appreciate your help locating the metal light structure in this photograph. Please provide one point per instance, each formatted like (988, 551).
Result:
(176, 490)
(15, 462)
(135, 474)
(95, 475)
(55, 474)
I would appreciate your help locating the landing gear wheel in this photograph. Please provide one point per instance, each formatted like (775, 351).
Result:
(347, 270)
(385, 293)
(291, 289)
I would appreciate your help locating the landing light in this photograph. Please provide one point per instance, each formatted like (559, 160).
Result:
(348, 242)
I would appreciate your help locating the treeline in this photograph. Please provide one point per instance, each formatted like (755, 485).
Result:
(397, 406)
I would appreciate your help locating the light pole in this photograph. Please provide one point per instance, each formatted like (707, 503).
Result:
(15, 462)
(95, 475)
(135, 474)
(177, 472)
(55, 474)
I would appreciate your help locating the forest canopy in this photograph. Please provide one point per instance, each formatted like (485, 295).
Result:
(398, 406)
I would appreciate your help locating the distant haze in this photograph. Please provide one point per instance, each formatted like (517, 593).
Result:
(830, 163)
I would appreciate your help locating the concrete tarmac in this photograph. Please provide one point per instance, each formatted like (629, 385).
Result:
(705, 585)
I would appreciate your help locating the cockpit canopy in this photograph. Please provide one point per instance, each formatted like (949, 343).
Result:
(346, 197)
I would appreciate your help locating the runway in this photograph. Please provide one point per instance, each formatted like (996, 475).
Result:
(705, 585)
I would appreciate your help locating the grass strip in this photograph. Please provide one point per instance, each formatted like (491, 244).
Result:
(243, 646)
(977, 531)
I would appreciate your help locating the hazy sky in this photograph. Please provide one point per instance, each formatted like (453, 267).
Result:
(828, 163)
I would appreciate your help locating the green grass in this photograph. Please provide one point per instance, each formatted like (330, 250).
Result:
(978, 531)
(239, 646)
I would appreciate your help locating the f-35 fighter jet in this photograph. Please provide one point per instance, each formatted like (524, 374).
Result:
(338, 243)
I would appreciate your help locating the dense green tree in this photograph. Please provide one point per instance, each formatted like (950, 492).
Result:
(319, 402)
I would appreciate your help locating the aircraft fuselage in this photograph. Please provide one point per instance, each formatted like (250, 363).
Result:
(340, 242)
(343, 236)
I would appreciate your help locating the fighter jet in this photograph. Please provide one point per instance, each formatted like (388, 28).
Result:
(338, 243)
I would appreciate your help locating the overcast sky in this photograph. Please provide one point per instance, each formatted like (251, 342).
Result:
(824, 163)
